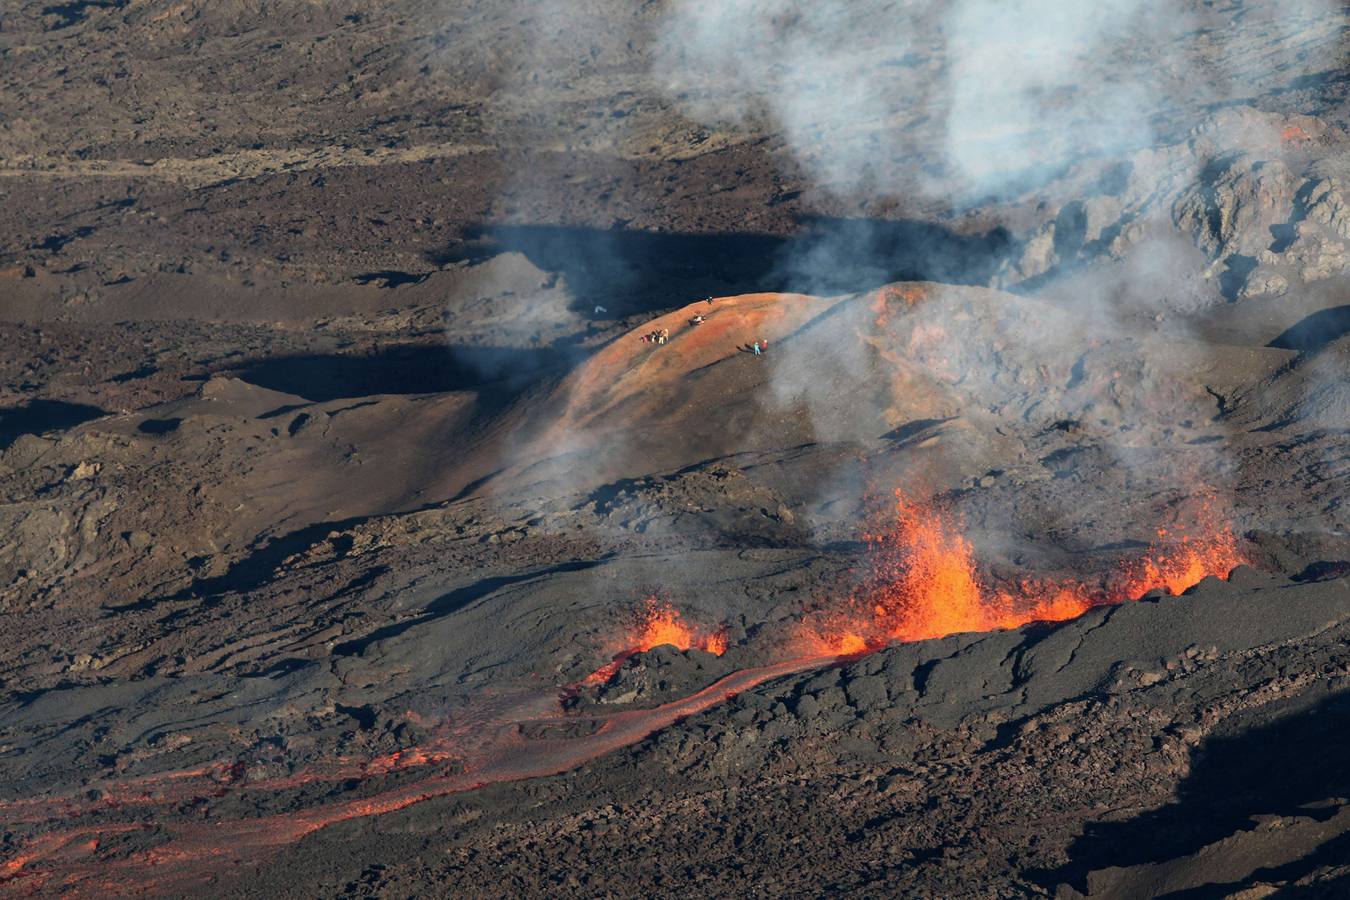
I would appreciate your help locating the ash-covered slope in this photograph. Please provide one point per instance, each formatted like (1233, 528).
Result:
(1006, 764)
(375, 638)
(894, 364)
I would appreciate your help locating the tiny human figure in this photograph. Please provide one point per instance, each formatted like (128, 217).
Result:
(710, 300)
(755, 347)
(698, 320)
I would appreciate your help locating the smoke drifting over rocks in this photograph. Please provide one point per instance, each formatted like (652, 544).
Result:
(1022, 90)
(1030, 101)
(1106, 142)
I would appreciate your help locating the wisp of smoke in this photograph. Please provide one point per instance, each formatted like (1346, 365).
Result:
(983, 96)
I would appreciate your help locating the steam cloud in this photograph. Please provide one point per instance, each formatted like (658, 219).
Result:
(1020, 88)
(968, 103)
(974, 102)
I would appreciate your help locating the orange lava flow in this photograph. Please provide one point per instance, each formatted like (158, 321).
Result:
(195, 850)
(924, 584)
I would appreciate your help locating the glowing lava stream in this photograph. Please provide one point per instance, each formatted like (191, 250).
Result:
(923, 585)
(198, 848)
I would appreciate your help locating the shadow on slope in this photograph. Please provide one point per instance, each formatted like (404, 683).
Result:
(414, 369)
(1316, 331)
(41, 416)
(1276, 768)
(628, 272)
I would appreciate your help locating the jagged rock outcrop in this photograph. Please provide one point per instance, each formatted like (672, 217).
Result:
(1246, 189)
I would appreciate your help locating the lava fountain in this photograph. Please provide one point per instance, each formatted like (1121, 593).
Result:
(1176, 562)
(660, 623)
(924, 583)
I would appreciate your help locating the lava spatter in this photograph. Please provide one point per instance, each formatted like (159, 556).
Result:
(660, 623)
(1176, 561)
(924, 583)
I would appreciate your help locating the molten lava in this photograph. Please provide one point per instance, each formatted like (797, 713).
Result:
(77, 863)
(924, 584)
(1179, 563)
(1294, 134)
(660, 623)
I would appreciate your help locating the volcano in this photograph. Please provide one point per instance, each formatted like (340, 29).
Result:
(643, 449)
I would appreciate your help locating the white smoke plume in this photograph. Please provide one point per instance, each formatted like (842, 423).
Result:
(979, 103)
(1009, 89)
(963, 104)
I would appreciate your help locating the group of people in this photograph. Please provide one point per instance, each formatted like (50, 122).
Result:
(661, 335)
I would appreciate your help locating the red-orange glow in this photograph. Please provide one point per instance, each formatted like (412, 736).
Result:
(663, 626)
(716, 643)
(909, 295)
(608, 670)
(1177, 563)
(833, 638)
(659, 624)
(406, 759)
(924, 584)
(196, 850)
